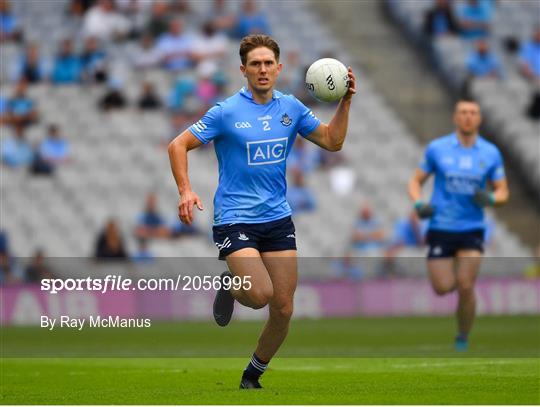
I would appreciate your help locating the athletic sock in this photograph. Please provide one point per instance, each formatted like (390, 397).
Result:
(461, 336)
(255, 367)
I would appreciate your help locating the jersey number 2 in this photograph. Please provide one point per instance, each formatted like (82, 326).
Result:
(266, 125)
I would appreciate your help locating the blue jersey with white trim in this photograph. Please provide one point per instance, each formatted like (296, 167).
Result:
(252, 142)
(459, 172)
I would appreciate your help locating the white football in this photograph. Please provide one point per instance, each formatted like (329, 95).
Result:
(327, 80)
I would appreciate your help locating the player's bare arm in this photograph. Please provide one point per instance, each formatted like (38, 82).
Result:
(501, 192)
(415, 184)
(178, 149)
(332, 136)
(424, 210)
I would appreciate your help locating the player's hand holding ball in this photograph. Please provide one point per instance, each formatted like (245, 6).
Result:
(185, 207)
(483, 198)
(328, 80)
(423, 210)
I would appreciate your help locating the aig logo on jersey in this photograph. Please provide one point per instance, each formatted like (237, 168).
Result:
(266, 151)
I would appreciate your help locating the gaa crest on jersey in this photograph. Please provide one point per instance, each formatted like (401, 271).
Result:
(286, 120)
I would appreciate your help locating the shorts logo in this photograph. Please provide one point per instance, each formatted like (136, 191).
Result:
(242, 236)
(226, 243)
(292, 236)
(242, 125)
(286, 120)
(436, 251)
(267, 151)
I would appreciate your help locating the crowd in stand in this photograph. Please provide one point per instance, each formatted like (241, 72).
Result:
(170, 36)
(472, 21)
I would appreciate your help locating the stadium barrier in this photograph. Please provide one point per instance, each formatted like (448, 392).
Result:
(25, 304)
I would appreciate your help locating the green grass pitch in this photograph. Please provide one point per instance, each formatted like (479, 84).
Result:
(338, 361)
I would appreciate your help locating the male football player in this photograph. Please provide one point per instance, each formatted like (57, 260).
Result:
(253, 132)
(469, 175)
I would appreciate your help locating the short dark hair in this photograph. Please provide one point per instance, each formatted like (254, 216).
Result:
(253, 41)
(466, 98)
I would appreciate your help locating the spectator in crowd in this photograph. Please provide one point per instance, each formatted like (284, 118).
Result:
(54, 149)
(3, 110)
(345, 268)
(114, 98)
(9, 29)
(158, 22)
(303, 156)
(4, 242)
(67, 65)
(251, 21)
(16, 150)
(78, 8)
(21, 110)
(409, 231)
(206, 91)
(482, 62)
(146, 55)
(137, 12)
(182, 90)
(368, 232)
(143, 255)
(475, 19)
(210, 48)
(149, 99)
(299, 196)
(151, 223)
(440, 20)
(529, 57)
(31, 66)
(175, 47)
(9, 270)
(109, 244)
(94, 61)
(38, 268)
(222, 19)
(105, 23)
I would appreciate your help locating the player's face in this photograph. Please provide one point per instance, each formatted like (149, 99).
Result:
(261, 69)
(467, 117)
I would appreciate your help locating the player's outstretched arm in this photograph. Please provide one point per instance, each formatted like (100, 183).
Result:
(332, 136)
(178, 149)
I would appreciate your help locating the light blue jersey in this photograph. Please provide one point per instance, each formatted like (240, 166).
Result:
(252, 142)
(459, 172)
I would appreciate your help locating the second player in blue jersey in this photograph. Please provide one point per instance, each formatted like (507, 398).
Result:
(469, 175)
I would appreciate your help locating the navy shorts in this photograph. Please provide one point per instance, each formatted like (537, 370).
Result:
(265, 237)
(445, 244)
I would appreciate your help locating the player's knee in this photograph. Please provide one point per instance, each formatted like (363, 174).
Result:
(441, 289)
(465, 287)
(260, 298)
(283, 313)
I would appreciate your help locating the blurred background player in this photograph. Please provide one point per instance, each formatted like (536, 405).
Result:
(253, 229)
(463, 163)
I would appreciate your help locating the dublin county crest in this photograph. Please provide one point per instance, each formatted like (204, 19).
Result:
(286, 120)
